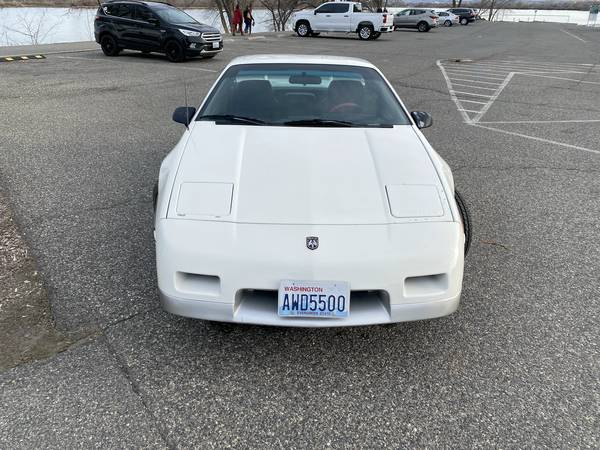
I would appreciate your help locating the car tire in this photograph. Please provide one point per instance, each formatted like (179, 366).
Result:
(376, 35)
(175, 51)
(423, 27)
(365, 32)
(154, 197)
(303, 29)
(448, 23)
(109, 45)
(464, 21)
(465, 219)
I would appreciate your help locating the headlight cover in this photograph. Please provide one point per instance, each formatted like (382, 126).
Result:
(190, 33)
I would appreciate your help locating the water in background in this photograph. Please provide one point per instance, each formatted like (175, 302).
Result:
(20, 26)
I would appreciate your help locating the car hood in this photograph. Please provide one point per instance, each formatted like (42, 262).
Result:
(200, 27)
(294, 175)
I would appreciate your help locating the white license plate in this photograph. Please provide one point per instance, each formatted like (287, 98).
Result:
(215, 45)
(313, 299)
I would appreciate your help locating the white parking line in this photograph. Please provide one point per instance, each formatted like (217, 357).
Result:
(562, 78)
(468, 110)
(477, 69)
(535, 138)
(469, 93)
(536, 67)
(472, 101)
(474, 81)
(494, 97)
(572, 35)
(544, 121)
(474, 87)
(465, 73)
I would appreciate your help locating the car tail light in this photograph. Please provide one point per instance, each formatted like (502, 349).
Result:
(384, 18)
(433, 17)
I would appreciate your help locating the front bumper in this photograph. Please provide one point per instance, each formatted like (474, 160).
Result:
(231, 272)
(198, 47)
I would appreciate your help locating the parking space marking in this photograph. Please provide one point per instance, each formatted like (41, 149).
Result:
(544, 121)
(572, 35)
(473, 117)
(197, 69)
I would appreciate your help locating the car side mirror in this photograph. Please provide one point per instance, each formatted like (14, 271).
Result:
(315, 13)
(422, 119)
(184, 114)
(153, 21)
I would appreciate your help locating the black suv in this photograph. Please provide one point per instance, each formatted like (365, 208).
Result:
(153, 27)
(466, 15)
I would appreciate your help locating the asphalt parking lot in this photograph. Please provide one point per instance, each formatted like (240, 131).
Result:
(517, 119)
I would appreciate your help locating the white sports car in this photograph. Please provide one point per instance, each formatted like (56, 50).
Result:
(303, 194)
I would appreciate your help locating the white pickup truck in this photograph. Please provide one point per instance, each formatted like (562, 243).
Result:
(343, 17)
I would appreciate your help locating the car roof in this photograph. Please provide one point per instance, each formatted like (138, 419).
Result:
(139, 2)
(300, 59)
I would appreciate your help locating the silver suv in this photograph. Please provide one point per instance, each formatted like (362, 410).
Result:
(421, 19)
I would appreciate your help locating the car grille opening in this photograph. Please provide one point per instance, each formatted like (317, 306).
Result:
(365, 306)
(426, 285)
(211, 37)
(193, 283)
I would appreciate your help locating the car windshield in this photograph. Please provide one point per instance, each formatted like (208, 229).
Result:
(173, 15)
(303, 95)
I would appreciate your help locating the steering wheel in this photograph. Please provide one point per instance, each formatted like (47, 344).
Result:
(348, 106)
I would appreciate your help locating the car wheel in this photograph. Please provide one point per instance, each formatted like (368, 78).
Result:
(155, 196)
(174, 51)
(365, 32)
(303, 29)
(464, 21)
(376, 35)
(109, 45)
(423, 26)
(448, 23)
(465, 219)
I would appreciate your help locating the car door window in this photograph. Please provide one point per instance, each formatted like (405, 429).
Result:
(327, 8)
(357, 8)
(123, 11)
(340, 8)
(406, 12)
(143, 13)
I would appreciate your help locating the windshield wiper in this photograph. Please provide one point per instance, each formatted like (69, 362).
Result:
(231, 119)
(319, 123)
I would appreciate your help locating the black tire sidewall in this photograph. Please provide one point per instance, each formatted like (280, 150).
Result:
(423, 27)
(464, 22)
(172, 45)
(465, 218)
(368, 27)
(308, 30)
(112, 42)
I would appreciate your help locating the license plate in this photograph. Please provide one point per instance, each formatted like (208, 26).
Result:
(215, 45)
(327, 299)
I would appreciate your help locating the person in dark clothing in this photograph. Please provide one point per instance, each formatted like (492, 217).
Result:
(248, 20)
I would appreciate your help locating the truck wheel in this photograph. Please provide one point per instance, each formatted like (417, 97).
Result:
(465, 219)
(423, 26)
(365, 32)
(303, 29)
(464, 21)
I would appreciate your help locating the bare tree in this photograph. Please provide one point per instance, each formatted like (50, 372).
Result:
(31, 27)
(225, 10)
(456, 3)
(280, 11)
(491, 7)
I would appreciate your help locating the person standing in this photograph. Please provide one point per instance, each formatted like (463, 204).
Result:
(237, 20)
(248, 20)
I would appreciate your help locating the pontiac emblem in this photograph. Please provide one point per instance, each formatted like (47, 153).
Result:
(312, 242)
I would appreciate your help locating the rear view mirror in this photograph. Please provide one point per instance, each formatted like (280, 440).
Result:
(184, 114)
(422, 119)
(304, 79)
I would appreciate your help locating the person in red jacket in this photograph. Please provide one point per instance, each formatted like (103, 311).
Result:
(237, 20)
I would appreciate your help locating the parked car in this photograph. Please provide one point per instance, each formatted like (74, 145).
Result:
(447, 18)
(466, 15)
(342, 17)
(304, 194)
(153, 27)
(421, 19)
